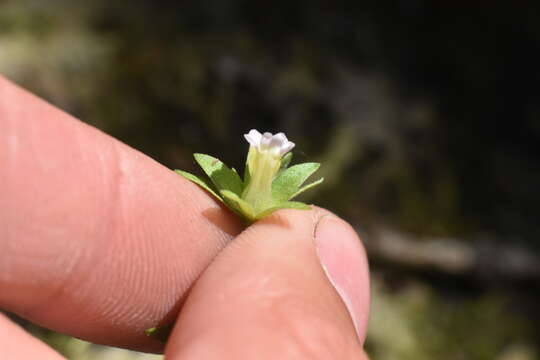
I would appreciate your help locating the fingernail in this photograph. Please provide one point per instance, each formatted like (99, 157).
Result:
(343, 259)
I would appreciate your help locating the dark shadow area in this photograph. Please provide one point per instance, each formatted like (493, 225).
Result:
(224, 219)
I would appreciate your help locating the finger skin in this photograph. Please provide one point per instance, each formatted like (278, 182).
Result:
(96, 239)
(266, 296)
(15, 343)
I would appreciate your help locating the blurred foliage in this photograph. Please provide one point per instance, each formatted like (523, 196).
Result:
(77, 349)
(414, 323)
(429, 110)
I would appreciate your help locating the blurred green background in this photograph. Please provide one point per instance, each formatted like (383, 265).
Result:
(425, 116)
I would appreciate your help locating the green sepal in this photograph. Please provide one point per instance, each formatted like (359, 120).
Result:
(286, 160)
(240, 206)
(288, 182)
(197, 180)
(247, 175)
(228, 188)
(221, 175)
(307, 187)
(160, 333)
(284, 205)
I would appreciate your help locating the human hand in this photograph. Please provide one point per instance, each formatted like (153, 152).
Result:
(100, 242)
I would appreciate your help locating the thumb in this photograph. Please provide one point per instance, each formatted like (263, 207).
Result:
(294, 285)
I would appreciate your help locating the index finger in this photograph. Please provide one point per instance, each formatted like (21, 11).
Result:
(96, 239)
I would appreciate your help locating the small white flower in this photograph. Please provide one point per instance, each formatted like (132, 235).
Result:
(263, 164)
(267, 185)
(277, 145)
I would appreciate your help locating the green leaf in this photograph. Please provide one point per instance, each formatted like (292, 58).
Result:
(199, 182)
(307, 187)
(284, 205)
(289, 181)
(286, 160)
(239, 205)
(222, 176)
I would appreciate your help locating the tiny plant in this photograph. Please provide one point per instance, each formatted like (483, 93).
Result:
(268, 183)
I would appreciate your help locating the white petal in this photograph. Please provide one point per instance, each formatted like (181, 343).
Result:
(277, 144)
(253, 138)
(286, 147)
(266, 141)
(281, 137)
(276, 141)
